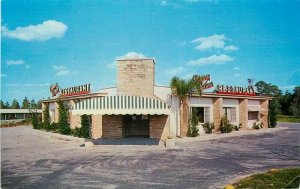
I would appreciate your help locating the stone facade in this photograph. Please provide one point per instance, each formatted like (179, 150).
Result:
(75, 121)
(112, 126)
(135, 77)
(243, 113)
(96, 126)
(264, 104)
(159, 126)
(217, 112)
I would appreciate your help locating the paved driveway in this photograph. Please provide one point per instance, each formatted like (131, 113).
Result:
(32, 159)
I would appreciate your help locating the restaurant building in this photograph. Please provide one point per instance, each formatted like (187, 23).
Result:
(136, 107)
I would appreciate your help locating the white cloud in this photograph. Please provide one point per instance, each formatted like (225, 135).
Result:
(163, 3)
(112, 65)
(231, 48)
(174, 71)
(63, 70)
(132, 55)
(214, 59)
(41, 32)
(213, 41)
(3, 75)
(236, 68)
(15, 62)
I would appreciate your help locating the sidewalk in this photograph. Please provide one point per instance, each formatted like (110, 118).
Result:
(216, 136)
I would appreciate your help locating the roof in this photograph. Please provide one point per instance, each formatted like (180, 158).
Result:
(19, 111)
(82, 96)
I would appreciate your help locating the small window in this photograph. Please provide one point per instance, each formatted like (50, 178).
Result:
(230, 113)
(199, 111)
(252, 115)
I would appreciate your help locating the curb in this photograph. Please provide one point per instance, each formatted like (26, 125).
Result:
(60, 136)
(215, 136)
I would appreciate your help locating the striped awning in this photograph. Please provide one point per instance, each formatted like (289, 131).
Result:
(120, 105)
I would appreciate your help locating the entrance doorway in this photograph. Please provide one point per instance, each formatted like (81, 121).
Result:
(136, 126)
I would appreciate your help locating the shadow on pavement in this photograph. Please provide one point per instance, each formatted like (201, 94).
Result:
(128, 141)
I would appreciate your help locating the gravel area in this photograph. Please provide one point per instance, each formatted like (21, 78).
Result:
(34, 159)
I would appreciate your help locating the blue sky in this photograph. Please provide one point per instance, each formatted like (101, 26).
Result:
(77, 42)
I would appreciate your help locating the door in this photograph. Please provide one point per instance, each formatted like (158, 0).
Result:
(136, 126)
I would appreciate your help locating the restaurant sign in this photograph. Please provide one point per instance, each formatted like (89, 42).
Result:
(71, 91)
(234, 90)
(204, 81)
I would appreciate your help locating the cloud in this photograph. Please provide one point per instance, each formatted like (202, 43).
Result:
(174, 71)
(41, 32)
(28, 85)
(231, 48)
(132, 55)
(163, 3)
(214, 59)
(236, 68)
(3, 75)
(213, 41)
(15, 62)
(63, 70)
(112, 65)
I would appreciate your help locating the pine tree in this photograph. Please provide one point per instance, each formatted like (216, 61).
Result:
(25, 103)
(33, 104)
(15, 104)
(2, 106)
(6, 105)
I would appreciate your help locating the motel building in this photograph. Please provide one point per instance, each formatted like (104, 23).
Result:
(138, 108)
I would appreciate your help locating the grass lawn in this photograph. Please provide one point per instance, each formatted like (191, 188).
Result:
(272, 179)
(284, 118)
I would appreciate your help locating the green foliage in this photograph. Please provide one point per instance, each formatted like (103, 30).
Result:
(292, 119)
(208, 127)
(33, 104)
(193, 122)
(15, 104)
(295, 104)
(273, 112)
(267, 89)
(226, 126)
(46, 117)
(237, 127)
(25, 103)
(35, 120)
(281, 178)
(2, 106)
(64, 127)
(84, 130)
(6, 105)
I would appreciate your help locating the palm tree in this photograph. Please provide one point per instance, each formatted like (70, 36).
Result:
(184, 89)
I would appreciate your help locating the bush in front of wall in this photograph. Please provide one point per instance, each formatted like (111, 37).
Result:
(208, 127)
(84, 130)
(226, 126)
(64, 127)
(237, 127)
(258, 125)
(193, 122)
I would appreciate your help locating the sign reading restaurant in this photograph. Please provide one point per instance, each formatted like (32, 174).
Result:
(71, 91)
(233, 90)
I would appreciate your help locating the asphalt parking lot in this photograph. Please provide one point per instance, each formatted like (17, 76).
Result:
(32, 159)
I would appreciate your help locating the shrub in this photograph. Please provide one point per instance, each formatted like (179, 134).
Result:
(257, 125)
(64, 127)
(237, 127)
(226, 126)
(193, 122)
(208, 127)
(84, 130)
(35, 120)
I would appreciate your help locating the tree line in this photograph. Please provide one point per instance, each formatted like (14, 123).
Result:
(26, 104)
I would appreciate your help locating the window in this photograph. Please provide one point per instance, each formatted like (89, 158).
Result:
(203, 113)
(253, 115)
(230, 113)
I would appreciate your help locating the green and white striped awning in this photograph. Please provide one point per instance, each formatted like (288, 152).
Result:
(121, 105)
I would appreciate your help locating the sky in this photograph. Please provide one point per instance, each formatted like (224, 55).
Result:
(74, 42)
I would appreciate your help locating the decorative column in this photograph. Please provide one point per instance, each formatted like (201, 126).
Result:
(243, 113)
(217, 112)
